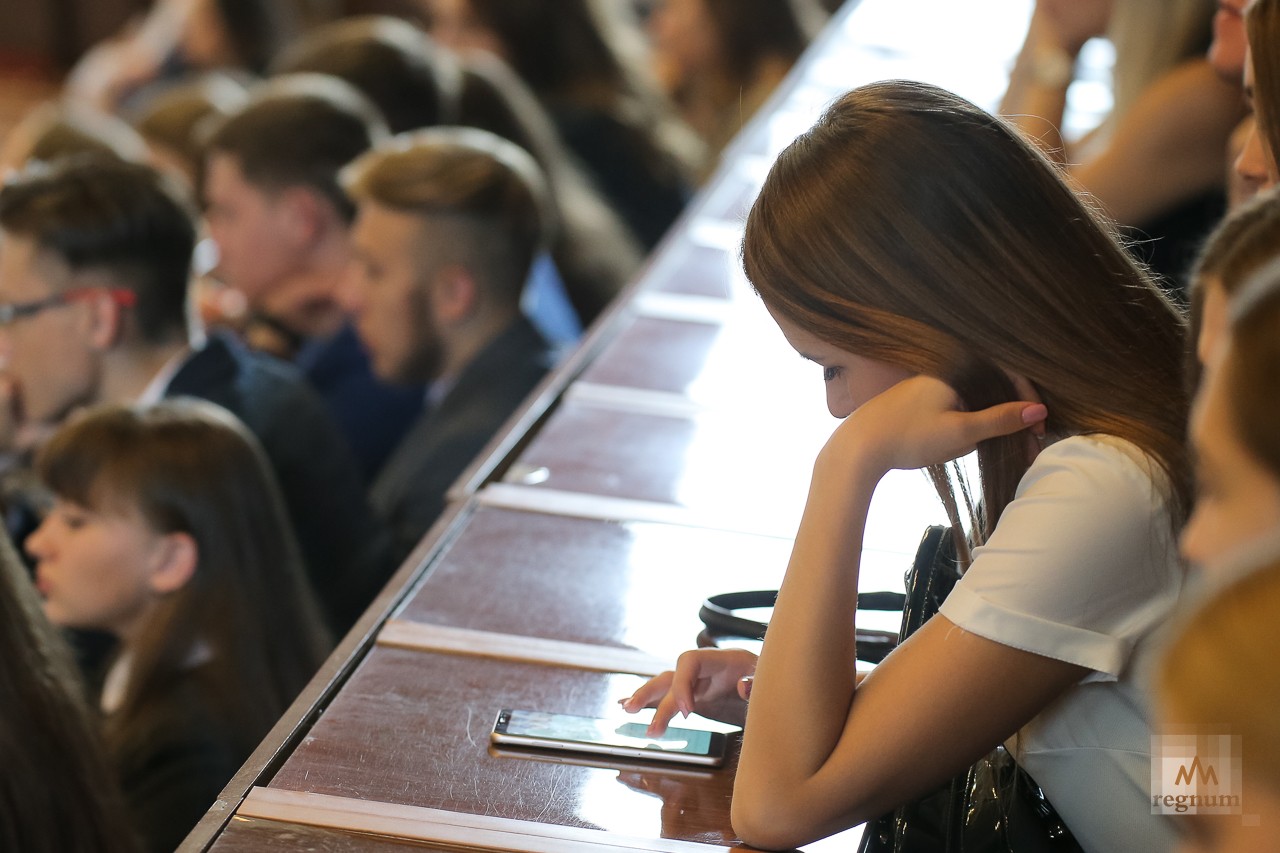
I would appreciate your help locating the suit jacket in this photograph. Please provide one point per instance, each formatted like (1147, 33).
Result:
(346, 549)
(409, 494)
(372, 416)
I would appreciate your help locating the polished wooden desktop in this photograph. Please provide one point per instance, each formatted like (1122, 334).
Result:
(665, 460)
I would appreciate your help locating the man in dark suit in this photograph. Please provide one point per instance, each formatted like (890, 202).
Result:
(449, 221)
(94, 264)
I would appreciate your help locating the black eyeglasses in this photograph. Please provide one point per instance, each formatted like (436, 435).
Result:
(13, 311)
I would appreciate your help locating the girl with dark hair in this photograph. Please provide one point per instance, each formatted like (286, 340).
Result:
(585, 61)
(57, 794)
(958, 295)
(1257, 162)
(721, 59)
(167, 531)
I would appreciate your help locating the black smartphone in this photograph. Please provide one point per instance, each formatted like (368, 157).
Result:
(547, 730)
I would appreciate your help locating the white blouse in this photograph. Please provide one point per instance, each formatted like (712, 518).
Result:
(1083, 568)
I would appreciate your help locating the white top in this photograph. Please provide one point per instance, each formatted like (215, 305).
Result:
(1083, 567)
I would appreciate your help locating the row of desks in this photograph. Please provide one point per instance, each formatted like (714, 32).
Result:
(668, 459)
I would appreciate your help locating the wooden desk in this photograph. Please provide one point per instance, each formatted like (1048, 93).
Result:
(667, 459)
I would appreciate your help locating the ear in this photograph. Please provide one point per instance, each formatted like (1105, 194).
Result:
(106, 321)
(303, 215)
(455, 295)
(175, 563)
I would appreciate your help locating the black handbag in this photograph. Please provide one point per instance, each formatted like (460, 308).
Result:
(993, 807)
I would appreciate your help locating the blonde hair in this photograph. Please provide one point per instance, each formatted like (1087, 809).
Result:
(1221, 668)
(1151, 37)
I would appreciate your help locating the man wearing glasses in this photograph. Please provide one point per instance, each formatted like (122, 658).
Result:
(94, 266)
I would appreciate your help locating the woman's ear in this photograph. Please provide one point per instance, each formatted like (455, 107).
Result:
(175, 563)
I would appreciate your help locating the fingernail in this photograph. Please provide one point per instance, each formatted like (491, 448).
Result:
(745, 690)
(1034, 413)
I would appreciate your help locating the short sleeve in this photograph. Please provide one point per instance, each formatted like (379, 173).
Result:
(1082, 564)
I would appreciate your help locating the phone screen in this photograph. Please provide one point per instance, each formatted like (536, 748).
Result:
(610, 737)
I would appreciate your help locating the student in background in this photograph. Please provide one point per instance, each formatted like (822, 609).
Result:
(719, 60)
(1233, 423)
(57, 791)
(450, 220)
(282, 226)
(167, 531)
(1156, 162)
(95, 257)
(1220, 676)
(1257, 162)
(418, 85)
(586, 62)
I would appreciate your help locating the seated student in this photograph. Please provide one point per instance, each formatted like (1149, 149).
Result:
(720, 60)
(1233, 423)
(57, 793)
(94, 261)
(1219, 673)
(53, 130)
(1240, 246)
(1156, 162)
(956, 301)
(585, 62)
(1257, 163)
(170, 121)
(450, 220)
(412, 81)
(167, 531)
(281, 223)
(180, 37)
(417, 85)
(1220, 676)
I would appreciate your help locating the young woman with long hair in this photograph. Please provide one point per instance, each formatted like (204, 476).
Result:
(1157, 162)
(167, 531)
(57, 794)
(720, 60)
(957, 294)
(586, 62)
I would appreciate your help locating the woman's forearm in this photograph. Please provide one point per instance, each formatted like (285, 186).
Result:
(805, 679)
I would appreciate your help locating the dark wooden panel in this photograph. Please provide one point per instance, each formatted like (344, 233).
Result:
(636, 585)
(413, 728)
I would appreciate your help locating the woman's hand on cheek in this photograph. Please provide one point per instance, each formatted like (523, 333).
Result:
(919, 422)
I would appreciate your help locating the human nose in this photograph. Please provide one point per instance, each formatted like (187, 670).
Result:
(38, 542)
(1253, 164)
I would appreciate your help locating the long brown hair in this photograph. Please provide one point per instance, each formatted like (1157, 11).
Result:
(56, 792)
(911, 227)
(1262, 25)
(591, 54)
(189, 466)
